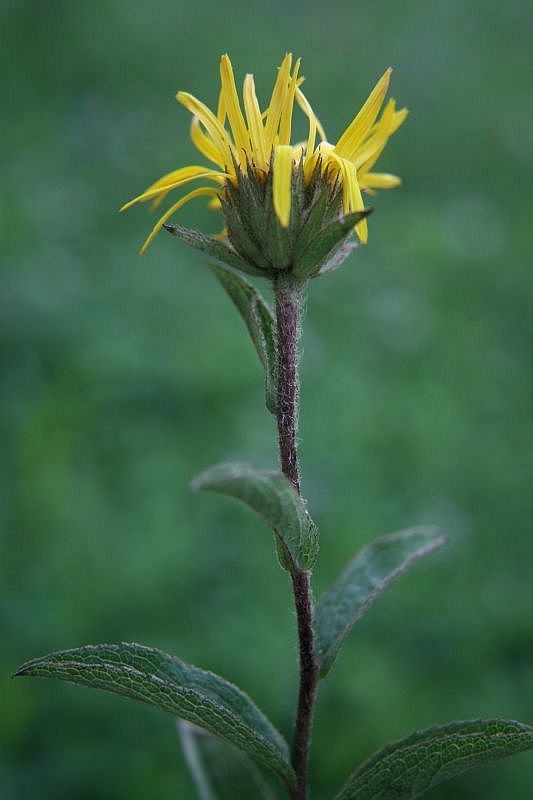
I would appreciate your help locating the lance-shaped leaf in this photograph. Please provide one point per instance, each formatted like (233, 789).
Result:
(322, 246)
(271, 496)
(260, 322)
(409, 768)
(219, 770)
(212, 247)
(374, 568)
(153, 677)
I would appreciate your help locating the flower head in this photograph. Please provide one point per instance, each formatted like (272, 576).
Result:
(257, 172)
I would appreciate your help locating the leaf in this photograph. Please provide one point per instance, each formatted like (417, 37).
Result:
(153, 677)
(219, 770)
(271, 496)
(213, 247)
(408, 768)
(260, 322)
(320, 248)
(375, 567)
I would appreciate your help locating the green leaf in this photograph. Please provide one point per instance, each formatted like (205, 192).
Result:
(260, 322)
(409, 768)
(271, 496)
(213, 247)
(219, 770)
(321, 247)
(375, 567)
(153, 677)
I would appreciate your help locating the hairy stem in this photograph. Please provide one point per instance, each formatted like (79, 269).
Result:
(288, 308)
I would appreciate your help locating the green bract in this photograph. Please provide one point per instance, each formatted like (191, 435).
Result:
(318, 238)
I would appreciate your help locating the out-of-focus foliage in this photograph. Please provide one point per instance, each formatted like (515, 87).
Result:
(123, 377)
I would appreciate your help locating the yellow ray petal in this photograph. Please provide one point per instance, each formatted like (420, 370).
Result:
(399, 118)
(221, 108)
(149, 193)
(158, 200)
(310, 162)
(377, 138)
(255, 124)
(205, 190)
(304, 104)
(298, 151)
(281, 182)
(371, 150)
(204, 144)
(286, 114)
(213, 126)
(355, 132)
(380, 180)
(277, 102)
(351, 194)
(177, 175)
(233, 110)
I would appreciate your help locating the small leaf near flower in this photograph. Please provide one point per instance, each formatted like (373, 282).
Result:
(273, 497)
(260, 322)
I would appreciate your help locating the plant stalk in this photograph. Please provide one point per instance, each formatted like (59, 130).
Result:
(289, 295)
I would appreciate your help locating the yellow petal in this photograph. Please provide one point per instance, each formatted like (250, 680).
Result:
(233, 110)
(154, 192)
(377, 136)
(205, 190)
(277, 102)
(399, 118)
(310, 162)
(221, 108)
(286, 114)
(351, 194)
(213, 126)
(281, 182)
(372, 148)
(205, 144)
(380, 180)
(177, 175)
(347, 145)
(304, 104)
(255, 124)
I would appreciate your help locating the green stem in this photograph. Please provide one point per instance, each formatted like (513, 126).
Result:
(289, 295)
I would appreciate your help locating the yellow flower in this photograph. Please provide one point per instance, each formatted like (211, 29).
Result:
(237, 142)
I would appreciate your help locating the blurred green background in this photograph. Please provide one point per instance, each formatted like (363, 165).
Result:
(122, 377)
